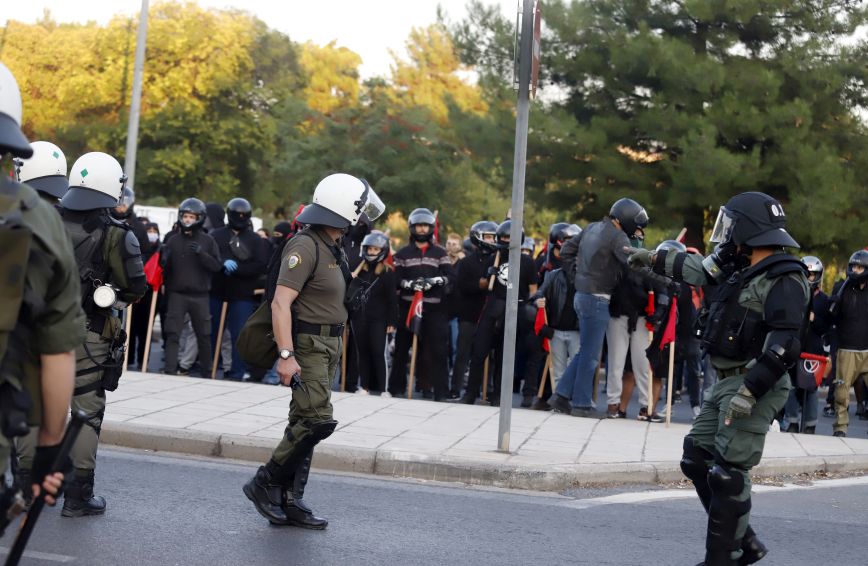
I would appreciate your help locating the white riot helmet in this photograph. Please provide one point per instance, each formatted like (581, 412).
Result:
(96, 180)
(11, 139)
(46, 170)
(339, 201)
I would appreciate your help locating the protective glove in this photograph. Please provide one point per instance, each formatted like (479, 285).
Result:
(420, 285)
(436, 281)
(492, 271)
(407, 284)
(194, 247)
(230, 266)
(740, 406)
(640, 258)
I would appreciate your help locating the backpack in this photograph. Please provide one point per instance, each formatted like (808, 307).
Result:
(17, 239)
(255, 343)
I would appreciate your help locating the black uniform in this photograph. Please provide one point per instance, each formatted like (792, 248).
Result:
(413, 262)
(190, 259)
(140, 313)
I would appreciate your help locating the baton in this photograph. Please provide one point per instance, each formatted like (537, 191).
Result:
(29, 522)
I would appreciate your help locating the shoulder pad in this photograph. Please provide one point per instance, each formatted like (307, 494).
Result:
(787, 264)
(117, 223)
(131, 244)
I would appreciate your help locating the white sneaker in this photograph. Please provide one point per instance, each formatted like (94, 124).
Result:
(361, 391)
(386, 394)
(696, 410)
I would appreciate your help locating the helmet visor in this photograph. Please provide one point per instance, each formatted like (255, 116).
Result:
(641, 219)
(722, 231)
(373, 207)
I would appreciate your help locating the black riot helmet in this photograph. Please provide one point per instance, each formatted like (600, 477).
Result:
(528, 244)
(421, 216)
(752, 219)
(377, 239)
(478, 232)
(859, 257)
(195, 206)
(630, 215)
(560, 232)
(216, 216)
(815, 267)
(502, 234)
(671, 246)
(239, 212)
(124, 209)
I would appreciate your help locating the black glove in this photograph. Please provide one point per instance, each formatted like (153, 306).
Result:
(492, 271)
(546, 332)
(43, 461)
(194, 247)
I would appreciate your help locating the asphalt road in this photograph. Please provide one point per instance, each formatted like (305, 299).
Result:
(165, 510)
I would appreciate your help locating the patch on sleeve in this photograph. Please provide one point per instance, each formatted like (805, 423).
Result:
(293, 261)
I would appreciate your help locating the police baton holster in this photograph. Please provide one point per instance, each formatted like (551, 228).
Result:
(29, 522)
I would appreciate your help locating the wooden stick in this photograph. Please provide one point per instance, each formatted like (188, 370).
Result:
(492, 278)
(485, 378)
(344, 358)
(151, 314)
(128, 326)
(218, 343)
(669, 384)
(681, 235)
(547, 370)
(413, 366)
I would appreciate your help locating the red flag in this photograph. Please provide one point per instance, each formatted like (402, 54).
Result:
(538, 324)
(649, 310)
(414, 315)
(669, 333)
(154, 272)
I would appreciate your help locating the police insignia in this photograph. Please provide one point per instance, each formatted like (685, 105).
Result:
(293, 261)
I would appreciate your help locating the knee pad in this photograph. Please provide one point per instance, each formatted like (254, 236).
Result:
(322, 430)
(723, 481)
(693, 461)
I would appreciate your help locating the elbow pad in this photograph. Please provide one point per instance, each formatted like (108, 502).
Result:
(781, 354)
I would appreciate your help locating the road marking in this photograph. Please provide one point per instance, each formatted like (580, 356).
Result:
(47, 556)
(674, 494)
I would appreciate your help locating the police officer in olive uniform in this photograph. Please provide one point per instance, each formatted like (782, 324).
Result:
(309, 314)
(752, 333)
(111, 275)
(41, 321)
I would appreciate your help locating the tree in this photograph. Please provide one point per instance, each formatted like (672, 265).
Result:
(332, 77)
(682, 104)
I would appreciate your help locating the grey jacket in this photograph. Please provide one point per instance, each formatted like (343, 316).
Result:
(596, 257)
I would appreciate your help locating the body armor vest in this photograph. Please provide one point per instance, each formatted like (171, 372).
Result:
(731, 330)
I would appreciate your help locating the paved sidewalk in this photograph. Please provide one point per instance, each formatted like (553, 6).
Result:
(433, 441)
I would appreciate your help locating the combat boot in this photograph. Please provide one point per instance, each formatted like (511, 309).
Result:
(297, 513)
(22, 478)
(266, 496)
(752, 548)
(78, 499)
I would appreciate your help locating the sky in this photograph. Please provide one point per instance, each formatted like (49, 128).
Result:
(370, 28)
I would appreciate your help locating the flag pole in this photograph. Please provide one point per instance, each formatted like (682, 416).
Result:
(413, 366)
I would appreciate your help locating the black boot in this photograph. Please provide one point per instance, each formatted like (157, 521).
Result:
(794, 427)
(718, 557)
(78, 499)
(297, 513)
(266, 495)
(752, 548)
(22, 478)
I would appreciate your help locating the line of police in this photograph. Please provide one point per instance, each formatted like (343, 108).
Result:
(753, 331)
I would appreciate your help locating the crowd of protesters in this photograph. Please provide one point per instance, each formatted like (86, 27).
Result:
(432, 327)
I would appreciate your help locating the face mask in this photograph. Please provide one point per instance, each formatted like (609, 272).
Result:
(371, 258)
(187, 224)
(153, 238)
(637, 242)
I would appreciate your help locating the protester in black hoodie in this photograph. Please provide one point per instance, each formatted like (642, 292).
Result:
(189, 259)
(378, 317)
(245, 259)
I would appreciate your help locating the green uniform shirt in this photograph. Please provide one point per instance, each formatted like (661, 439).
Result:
(320, 300)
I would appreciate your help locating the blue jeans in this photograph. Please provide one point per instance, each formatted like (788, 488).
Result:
(237, 314)
(577, 383)
(794, 407)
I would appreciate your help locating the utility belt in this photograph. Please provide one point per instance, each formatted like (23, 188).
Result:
(112, 366)
(326, 330)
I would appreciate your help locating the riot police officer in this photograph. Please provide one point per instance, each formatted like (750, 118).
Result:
(752, 332)
(308, 314)
(111, 275)
(41, 322)
(45, 171)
